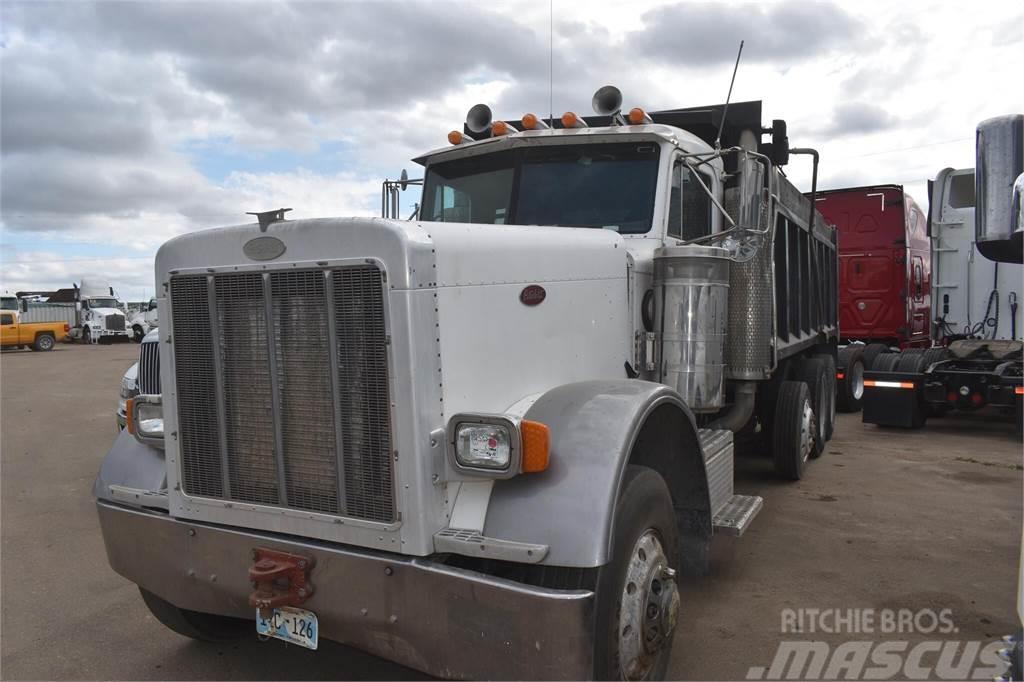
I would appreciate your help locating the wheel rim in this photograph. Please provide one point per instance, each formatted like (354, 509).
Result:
(855, 377)
(824, 407)
(807, 427)
(45, 342)
(650, 607)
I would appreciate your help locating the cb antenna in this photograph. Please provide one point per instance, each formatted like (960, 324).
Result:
(725, 110)
(551, 63)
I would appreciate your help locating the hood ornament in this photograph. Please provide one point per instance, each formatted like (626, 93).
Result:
(266, 218)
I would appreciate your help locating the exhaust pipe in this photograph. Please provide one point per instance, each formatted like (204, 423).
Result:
(739, 414)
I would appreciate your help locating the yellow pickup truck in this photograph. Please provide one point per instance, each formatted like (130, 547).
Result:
(37, 335)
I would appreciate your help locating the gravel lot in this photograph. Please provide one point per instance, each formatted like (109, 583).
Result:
(885, 519)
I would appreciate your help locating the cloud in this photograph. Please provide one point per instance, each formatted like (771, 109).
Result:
(125, 123)
(697, 35)
(859, 118)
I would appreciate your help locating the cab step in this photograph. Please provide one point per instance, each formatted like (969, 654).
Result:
(736, 515)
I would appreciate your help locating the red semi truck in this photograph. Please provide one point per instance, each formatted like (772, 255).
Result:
(884, 278)
(884, 265)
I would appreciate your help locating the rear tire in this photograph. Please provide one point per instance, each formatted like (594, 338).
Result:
(793, 430)
(937, 354)
(206, 627)
(886, 362)
(909, 362)
(830, 381)
(635, 584)
(871, 352)
(44, 342)
(850, 389)
(813, 372)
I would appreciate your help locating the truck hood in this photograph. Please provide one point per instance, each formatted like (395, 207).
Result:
(419, 254)
(106, 311)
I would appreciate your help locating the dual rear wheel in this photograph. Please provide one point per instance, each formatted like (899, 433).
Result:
(803, 414)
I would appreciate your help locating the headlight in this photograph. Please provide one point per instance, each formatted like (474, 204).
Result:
(146, 420)
(497, 446)
(488, 446)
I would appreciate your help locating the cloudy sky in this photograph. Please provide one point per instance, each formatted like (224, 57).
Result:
(125, 123)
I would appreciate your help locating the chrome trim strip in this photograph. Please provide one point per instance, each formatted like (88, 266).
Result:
(339, 437)
(218, 370)
(275, 395)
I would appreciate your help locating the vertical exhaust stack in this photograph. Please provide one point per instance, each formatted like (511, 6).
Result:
(999, 169)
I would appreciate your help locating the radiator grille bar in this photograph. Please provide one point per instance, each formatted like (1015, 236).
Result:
(149, 368)
(300, 414)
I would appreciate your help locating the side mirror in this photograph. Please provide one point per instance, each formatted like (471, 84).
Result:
(23, 304)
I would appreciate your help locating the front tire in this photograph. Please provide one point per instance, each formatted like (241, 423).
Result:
(206, 627)
(86, 336)
(637, 598)
(137, 334)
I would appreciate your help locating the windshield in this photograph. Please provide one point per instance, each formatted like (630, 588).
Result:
(103, 303)
(608, 186)
(8, 303)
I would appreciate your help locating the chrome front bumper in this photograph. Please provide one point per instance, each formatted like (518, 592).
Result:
(445, 621)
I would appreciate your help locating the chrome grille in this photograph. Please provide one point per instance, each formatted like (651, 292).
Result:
(115, 322)
(149, 368)
(301, 415)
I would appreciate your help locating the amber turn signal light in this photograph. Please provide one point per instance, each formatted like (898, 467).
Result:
(536, 444)
(129, 418)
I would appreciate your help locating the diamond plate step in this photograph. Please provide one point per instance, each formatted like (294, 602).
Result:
(716, 445)
(471, 543)
(737, 514)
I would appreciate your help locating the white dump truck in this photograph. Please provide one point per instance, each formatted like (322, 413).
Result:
(491, 440)
(99, 315)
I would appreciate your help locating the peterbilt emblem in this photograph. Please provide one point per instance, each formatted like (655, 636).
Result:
(264, 248)
(532, 295)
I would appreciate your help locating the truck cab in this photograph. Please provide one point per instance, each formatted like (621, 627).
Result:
(99, 314)
(885, 265)
(516, 410)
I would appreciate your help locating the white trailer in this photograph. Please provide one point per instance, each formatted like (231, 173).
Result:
(488, 441)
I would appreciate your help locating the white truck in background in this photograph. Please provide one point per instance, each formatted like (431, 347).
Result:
(142, 322)
(99, 315)
(972, 296)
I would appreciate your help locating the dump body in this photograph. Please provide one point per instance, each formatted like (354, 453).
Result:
(884, 264)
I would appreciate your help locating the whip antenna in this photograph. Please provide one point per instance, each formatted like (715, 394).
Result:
(725, 110)
(551, 63)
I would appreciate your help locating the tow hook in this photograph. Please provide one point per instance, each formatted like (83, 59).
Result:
(278, 579)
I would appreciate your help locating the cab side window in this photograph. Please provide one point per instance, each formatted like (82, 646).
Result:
(689, 215)
(6, 318)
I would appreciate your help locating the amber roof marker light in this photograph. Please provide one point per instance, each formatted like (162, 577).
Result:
(532, 122)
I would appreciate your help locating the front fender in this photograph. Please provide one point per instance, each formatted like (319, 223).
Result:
(594, 426)
(130, 465)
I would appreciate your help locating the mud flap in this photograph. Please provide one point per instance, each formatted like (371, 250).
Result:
(894, 399)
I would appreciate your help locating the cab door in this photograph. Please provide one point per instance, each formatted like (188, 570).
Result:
(8, 330)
